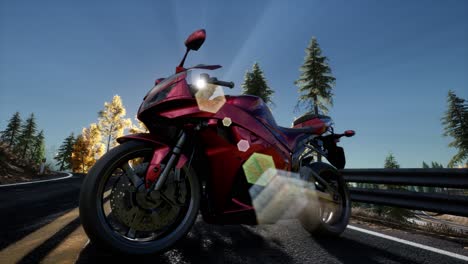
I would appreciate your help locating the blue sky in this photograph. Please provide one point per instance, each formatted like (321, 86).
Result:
(394, 62)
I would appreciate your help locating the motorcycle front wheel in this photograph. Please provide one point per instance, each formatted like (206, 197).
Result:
(115, 215)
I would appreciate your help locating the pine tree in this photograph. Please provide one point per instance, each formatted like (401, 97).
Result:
(38, 148)
(255, 84)
(456, 126)
(87, 149)
(64, 154)
(390, 162)
(11, 133)
(26, 137)
(316, 82)
(436, 165)
(395, 212)
(424, 165)
(112, 122)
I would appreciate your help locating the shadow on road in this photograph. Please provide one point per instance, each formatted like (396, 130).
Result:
(41, 251)
(204, 244)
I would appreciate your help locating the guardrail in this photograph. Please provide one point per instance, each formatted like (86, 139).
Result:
(434, 202)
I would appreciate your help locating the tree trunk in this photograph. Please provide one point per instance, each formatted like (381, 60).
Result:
(11, 139)
(23, 156)
(108, 142)
(109, 137)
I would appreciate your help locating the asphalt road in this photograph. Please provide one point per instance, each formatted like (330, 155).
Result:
(39, 223)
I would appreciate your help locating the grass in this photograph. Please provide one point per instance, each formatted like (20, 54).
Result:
(440, 230)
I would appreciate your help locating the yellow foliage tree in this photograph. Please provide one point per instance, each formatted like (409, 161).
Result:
(138, 128)
(112, 122)
(87, 149)
(79, 153)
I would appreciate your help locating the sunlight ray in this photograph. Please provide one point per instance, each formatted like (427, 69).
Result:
(16, 251)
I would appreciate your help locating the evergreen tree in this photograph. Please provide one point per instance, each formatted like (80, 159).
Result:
(456, 126)
(255, 84)
(26, 137)
(424, 165)
(112, 122)
(390, 162)
(38, 148)
(64, 154)
(316, 81)
(395, 212)
(11, 133)
(436, 165)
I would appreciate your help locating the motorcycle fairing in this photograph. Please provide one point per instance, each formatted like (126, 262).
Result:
(225, 164)
(237, 115)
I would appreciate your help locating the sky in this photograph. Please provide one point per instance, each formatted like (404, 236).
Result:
(394, 62)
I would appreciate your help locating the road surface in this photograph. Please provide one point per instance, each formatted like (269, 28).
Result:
(40, 223)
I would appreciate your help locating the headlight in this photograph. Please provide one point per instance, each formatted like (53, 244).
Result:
(200, 83)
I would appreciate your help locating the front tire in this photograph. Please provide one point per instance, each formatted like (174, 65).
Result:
(107, 229)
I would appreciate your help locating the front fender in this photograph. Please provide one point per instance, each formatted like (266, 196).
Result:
(146, 137)
(161, 151)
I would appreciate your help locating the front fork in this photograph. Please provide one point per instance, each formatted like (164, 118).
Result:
(175, 155)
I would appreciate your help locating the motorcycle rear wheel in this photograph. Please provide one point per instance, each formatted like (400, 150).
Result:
(117, 217)
(317, 218)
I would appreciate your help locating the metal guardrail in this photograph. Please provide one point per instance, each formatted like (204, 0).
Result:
(435, 202)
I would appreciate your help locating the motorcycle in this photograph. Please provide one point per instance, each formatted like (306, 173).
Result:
(144, 195)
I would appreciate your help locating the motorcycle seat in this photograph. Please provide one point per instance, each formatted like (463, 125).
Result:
(256, 106)
(294, 135)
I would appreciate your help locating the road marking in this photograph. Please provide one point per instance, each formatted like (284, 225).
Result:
(436, 250)
(15, 252)
(69, 249)
(31, 182)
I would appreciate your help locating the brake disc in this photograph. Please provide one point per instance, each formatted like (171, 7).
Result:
(143, 215)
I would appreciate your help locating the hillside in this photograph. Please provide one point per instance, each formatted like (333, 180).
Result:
(11, 170)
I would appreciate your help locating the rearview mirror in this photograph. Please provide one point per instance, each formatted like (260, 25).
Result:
(349, 133)
(195, 40)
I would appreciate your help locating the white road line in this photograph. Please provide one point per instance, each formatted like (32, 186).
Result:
(31, 182)
(436, 250)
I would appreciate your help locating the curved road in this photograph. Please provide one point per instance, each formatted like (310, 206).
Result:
(39, 223)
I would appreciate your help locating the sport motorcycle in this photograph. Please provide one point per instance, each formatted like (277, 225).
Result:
(214, 154)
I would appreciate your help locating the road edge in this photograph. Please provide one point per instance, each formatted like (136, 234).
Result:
(38, 181)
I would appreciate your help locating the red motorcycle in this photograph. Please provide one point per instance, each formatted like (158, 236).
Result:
(206, 151)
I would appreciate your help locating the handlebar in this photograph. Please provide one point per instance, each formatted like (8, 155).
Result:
(214, 80)
(221, 83)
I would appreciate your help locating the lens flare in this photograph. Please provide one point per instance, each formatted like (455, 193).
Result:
(257, 165)
(243, 145)
(211, 98)
(285, 196)
(227, 121)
